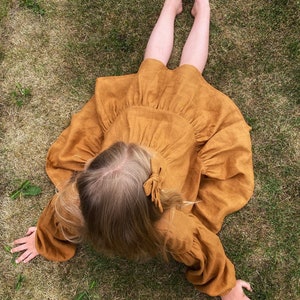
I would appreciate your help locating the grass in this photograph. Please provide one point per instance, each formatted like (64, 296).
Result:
(49, 62)
(20, 94)
(33, 5)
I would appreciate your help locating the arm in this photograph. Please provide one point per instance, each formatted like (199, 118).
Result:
(209, 269)
(192, 244)
(46, 239)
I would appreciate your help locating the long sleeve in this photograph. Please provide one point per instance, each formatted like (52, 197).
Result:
(192, 244)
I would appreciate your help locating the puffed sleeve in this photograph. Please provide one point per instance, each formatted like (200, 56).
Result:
(192, 244)
(77, 144)
(227, 179)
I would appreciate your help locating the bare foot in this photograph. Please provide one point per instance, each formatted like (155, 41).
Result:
(199, 5)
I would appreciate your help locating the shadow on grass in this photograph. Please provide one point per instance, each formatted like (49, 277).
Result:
(118, 278)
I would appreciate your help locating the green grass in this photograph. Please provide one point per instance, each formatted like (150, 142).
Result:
(20, 95)
(254, 58)
(33, 5)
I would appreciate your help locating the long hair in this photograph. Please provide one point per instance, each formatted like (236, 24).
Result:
(118, 217)
(68, 213)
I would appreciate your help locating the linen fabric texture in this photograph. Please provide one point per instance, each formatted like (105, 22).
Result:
(204, 146)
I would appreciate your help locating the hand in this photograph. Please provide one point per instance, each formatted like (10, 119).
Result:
(237, 292)
(26, 244)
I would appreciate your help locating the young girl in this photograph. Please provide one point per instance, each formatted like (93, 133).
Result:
(152, 164)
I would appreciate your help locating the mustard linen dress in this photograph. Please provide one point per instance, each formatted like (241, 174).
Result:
(204, 145)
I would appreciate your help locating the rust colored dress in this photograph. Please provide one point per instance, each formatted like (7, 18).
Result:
(204, 144)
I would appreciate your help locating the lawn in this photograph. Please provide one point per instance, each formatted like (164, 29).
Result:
(50, 55)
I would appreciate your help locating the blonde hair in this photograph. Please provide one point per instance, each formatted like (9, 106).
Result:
(68, 213)
(116, 216)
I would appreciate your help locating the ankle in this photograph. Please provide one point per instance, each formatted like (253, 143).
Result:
(200, 6)
(173, 5)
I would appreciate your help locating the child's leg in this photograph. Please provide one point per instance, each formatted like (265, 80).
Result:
(195, 50)
(160, 43)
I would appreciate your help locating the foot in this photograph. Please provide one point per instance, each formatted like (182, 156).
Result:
(199, 5)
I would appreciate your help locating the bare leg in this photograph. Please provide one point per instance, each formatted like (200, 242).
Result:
(161, 40)
(195, 50)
